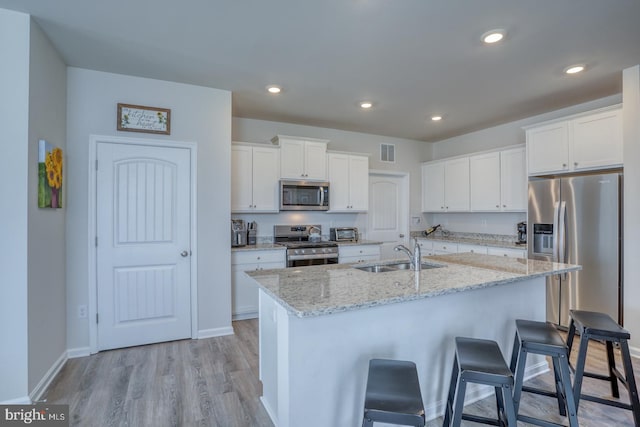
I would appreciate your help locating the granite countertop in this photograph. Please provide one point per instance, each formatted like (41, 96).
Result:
(479, 240)
(258, 247)
(322, 290)
(359, 242)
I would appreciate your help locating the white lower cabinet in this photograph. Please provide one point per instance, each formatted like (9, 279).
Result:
(441, 248)
(476, 249)
(507, 252)
(426, 247)
(244, 290)
(358, 253)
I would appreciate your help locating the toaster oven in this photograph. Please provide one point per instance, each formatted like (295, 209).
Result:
(343, 234)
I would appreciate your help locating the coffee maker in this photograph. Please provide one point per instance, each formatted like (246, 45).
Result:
(238, 233)
(522, 233)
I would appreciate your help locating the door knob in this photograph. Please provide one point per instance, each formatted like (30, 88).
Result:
(184, 254)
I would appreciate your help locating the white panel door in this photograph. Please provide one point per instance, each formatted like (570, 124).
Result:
(388, 211)
(143, 253)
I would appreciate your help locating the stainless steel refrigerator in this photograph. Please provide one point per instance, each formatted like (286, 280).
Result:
(578, 220)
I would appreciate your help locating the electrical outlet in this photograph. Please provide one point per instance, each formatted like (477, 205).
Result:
(82, 312)
(415, 220)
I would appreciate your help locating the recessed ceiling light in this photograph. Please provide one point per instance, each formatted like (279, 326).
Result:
(493, 36)
(274, 89)
(436, 118)
(574, 69)
(366, 104)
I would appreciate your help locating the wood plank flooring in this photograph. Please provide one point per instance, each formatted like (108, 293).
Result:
(214, 382)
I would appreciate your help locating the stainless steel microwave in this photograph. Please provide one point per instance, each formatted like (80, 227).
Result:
(304, 196)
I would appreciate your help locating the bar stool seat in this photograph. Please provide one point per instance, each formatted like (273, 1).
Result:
(393, 394)
(599, 326)
(479, 361)
(542, 338)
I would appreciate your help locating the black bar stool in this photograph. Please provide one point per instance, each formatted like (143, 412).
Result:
(481, 362)
(599, 326)
(393, 394)
(542, 338)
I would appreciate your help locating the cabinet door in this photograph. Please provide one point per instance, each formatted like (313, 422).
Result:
(456, 185)
(241, 179)
(484, 173)
(548, 148)
(358, 253)
(426, 247)
(244, 292)
(513, 180)
(266, 173)
(597, 140)
(292, 157)
(475, 249)
(507, 252)
(315, 160)
(338, 165)
(358, 183)
(433, 187)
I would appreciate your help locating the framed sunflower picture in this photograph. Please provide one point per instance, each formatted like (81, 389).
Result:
(49, 175)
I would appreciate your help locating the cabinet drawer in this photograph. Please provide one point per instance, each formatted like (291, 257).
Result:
(476, 249)
(358, 251)
(445, 247)
(252, 257)
(506, 252)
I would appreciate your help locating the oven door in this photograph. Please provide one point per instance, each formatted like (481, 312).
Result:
(312, 260)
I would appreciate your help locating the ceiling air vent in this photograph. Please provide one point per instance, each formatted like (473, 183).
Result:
(388, 153)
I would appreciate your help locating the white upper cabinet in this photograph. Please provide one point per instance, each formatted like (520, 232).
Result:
(445, 186)
(255, 173)
(302, 158)
(484, 173)
(513, 180)
(597, 140)
(349, 182)
(584, 142)
(498, 181)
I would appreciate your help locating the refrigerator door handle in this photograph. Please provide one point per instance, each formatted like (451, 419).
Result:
(562, 238)
(556, 252)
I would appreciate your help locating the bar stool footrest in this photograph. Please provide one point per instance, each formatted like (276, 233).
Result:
(538, 422)
(540, 391)
(608, 402)
(480, 419)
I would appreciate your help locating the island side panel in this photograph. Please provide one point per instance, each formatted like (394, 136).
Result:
(328, 355)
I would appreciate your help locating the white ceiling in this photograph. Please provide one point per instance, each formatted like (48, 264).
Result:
(412, 58)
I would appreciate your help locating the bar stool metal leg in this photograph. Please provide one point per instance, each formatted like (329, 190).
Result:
(599, 326)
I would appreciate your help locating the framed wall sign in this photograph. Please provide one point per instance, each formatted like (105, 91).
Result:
(138, 118)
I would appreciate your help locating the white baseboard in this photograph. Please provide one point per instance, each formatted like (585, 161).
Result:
(24, 400)
(477, 392)
(215, 332)
(634, 351)
(73, 353)
(270, 411)
(38, 391)
(245, 315)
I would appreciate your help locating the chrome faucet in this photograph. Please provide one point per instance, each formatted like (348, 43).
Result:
(415, 258)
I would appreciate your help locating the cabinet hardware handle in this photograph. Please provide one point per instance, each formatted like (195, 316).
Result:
(497, 206)
(575, 163)
(258, 258)
(504, 206)
(564, 165)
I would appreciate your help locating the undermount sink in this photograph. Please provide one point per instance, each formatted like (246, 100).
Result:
(395, 266)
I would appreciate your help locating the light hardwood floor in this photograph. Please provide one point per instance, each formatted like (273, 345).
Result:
(214, 382)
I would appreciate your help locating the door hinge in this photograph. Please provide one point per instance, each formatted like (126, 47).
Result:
(96, 241)
(96, 317)
(96, 164)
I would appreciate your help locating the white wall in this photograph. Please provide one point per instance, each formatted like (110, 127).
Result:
(631, 136)
(198, 114)
(46, 236)
(14, 110)
(409, 154)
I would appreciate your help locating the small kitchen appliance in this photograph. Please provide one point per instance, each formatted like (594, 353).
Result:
(343, 234)
(238, 233)
(301, 250)
(304, 196)
(252, 233)
(522, 233)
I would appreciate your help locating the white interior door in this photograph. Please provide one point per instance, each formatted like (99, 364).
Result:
(388, 212)
(143, 254)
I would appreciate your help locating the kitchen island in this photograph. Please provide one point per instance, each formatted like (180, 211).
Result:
(319, 326)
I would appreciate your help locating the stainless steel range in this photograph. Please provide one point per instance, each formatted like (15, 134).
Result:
(304, 246)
